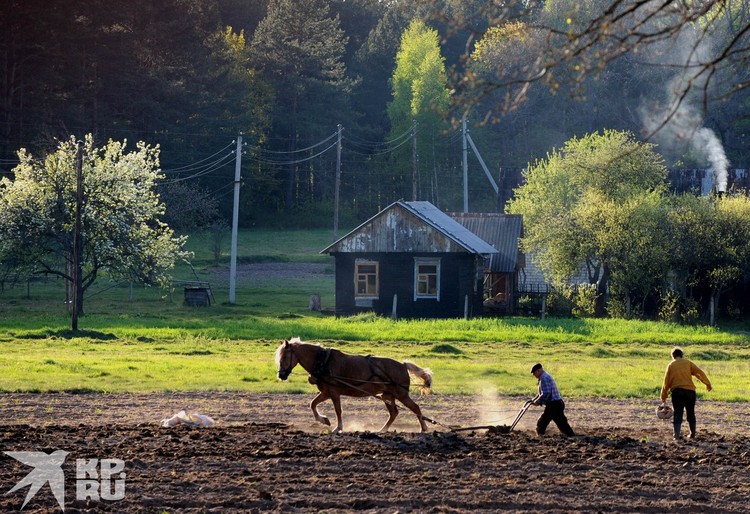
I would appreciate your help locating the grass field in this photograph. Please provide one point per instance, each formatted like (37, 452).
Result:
(139, 340)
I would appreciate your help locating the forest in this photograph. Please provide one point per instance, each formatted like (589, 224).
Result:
(368, 90)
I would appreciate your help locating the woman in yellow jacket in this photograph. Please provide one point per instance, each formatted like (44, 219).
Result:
(679, 380)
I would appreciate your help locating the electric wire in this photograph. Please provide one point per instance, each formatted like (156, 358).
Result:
(404, 134)
(319, 143)
(189, 167)
(213, 167)
(450, 139)
(382, 152)
(223, 190)
(198, 170)
(354, 145)
(296, 161)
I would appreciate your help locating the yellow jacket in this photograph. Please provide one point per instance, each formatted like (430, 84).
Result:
(680, 374)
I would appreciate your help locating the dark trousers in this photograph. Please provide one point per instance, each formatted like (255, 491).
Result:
(554, 411)
(683, 399)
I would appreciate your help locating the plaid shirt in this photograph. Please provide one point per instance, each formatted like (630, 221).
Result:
(548, 391)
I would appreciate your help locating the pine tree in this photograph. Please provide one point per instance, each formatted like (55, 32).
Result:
(300, 50)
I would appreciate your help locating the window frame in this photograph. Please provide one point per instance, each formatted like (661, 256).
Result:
(426, 261)
(357, 273)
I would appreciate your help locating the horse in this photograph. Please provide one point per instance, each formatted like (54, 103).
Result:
(336, 373)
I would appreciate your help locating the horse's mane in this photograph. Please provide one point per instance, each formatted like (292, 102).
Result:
(292, 340)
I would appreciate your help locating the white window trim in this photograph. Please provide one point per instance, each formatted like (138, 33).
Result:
(428, 261)
(359, 262)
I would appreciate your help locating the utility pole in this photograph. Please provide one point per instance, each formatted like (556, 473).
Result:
(482, 164)
(235, 221)
(467, 139)
(415, 171)
(337, 187)
(77, 240)
(465, 152)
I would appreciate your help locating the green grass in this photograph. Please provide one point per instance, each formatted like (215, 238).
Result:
(199, 362)
(266, 246)
(145, 340)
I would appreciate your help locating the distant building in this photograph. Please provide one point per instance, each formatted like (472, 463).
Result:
(702, 181)
(501, 270)
(411, 260)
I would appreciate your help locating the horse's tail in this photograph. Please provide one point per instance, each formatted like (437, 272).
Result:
(422, 376)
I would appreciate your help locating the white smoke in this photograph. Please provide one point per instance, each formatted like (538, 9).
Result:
(707, 140)
(678, 121)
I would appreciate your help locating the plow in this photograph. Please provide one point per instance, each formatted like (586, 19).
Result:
(499, 429)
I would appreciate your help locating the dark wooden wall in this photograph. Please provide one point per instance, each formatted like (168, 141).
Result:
(458, 277)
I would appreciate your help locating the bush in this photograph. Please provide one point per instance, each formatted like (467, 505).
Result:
(669, 306)
(578, 299)
(690, 311)
(617, 308)
(558, 304)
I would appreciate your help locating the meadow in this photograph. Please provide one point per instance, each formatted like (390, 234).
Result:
(145, 340)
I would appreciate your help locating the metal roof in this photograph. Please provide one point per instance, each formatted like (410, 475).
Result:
(429, 215)
(502, 231)
(450, 227)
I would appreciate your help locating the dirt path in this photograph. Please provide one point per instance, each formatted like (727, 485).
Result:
(265, 454)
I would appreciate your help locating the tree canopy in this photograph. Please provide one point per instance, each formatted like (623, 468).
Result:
(420, 95)
(582, 204)
(600, 206)
(121, 225)
(192, 75)
(686, 61)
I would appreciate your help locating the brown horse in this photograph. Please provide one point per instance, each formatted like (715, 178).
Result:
(337, 373)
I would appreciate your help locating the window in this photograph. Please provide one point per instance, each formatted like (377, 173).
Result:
(427, 278)
(366, 279)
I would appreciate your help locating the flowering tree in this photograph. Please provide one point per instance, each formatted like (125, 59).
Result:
(121, 229)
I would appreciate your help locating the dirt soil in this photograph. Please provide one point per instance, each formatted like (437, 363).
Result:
(266, 454)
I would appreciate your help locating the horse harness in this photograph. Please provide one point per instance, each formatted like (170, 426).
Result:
(320, 366)
(321, 372)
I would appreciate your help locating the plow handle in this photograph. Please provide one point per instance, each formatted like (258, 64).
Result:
(526, 405)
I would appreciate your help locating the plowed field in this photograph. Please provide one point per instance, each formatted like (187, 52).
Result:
(266, 454)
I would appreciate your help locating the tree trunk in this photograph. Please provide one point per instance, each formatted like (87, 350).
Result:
(600, 306)
(712, 306)
(80, 302)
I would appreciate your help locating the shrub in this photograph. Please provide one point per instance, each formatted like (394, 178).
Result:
(690, 311)
(579, 299)
(669, 306)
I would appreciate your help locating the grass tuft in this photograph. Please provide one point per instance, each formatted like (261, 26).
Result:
(445, 348)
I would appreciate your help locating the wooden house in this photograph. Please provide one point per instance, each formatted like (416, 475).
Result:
(502, 269)
(410, 260)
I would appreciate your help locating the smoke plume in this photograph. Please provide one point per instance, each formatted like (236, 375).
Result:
(706, 139)
(676, 122)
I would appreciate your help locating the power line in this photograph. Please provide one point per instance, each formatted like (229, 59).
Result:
(296, 161)
(404, 134)
(189, 167)
(380, 152)
(301, 149)
(205, 171)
